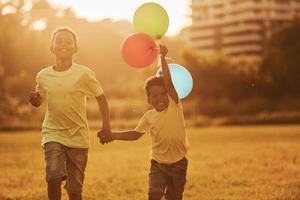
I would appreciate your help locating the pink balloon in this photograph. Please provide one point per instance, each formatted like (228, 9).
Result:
(139, 50)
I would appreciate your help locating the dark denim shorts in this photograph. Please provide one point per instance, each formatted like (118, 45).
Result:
(66, 163)
(168, 179)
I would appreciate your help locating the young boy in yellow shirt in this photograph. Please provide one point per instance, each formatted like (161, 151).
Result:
(166, 126)
(64, 86)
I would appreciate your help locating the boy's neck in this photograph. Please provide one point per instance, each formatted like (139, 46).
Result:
(63, 64)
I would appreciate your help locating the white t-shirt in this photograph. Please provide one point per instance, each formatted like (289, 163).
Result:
(65, 93)
(168, 134)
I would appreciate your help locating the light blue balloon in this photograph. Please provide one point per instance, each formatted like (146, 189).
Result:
(181, 79)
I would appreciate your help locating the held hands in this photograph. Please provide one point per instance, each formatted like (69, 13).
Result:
(105, 136)
(35, 99)
(163, 50)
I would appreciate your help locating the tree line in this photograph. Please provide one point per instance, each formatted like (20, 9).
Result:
(222, 86)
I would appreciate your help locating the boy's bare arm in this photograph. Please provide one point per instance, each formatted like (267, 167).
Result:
(120, 135)
(127, 135)
(103, 107)
(167, 75)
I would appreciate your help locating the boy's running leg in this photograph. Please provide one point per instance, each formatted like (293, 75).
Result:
(54, 189)
(75, 196)
(157, 181)
(177, 180)
(76, 164)
(55, 168)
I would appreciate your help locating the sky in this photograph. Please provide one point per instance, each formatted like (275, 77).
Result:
(178, 10)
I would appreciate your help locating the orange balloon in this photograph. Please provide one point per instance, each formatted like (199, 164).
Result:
(139, 50)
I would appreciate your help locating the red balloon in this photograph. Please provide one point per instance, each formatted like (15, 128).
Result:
(139, 50)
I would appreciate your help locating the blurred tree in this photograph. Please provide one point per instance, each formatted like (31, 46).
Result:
(219, 76)
(280, 68)
(220, 84)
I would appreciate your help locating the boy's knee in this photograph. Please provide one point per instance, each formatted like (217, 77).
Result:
(55, 181)
(155, 196)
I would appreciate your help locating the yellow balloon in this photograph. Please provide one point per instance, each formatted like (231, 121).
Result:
(152, 19)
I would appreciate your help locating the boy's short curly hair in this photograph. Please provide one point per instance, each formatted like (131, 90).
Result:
(153, 80)
(67, 29)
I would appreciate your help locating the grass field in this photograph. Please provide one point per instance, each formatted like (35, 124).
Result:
(225, 163)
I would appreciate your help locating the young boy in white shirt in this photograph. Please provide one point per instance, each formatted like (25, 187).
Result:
(166, 126)
(64, 86)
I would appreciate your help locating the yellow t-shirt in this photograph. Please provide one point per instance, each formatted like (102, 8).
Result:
(168, 134)
(65, 93)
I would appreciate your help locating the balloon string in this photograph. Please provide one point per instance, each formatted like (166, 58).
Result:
(157, 48)
(167, 58)
(152, 49)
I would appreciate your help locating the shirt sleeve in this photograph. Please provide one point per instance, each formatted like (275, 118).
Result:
(93, 88)
(143, 125)
(39, 86)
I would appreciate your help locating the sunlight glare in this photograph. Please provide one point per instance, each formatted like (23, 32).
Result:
(39, 25)
(8, 10)
(120, 10)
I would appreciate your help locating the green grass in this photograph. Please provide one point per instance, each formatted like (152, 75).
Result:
(225, 163)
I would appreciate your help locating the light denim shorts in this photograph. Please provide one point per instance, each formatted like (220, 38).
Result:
(66, 163)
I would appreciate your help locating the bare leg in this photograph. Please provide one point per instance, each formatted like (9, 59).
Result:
(155, 196)
(75, 196)
(54, 189)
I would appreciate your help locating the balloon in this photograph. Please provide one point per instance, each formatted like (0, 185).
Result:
(152, 19)
(181, 79)
(154, 64)
(139, 50)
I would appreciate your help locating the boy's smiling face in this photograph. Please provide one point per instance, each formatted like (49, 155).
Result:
(158, 97)
(63, 45)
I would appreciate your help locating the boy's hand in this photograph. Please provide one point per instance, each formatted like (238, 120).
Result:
(35, 99)
(105, 136)
(163, 50)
